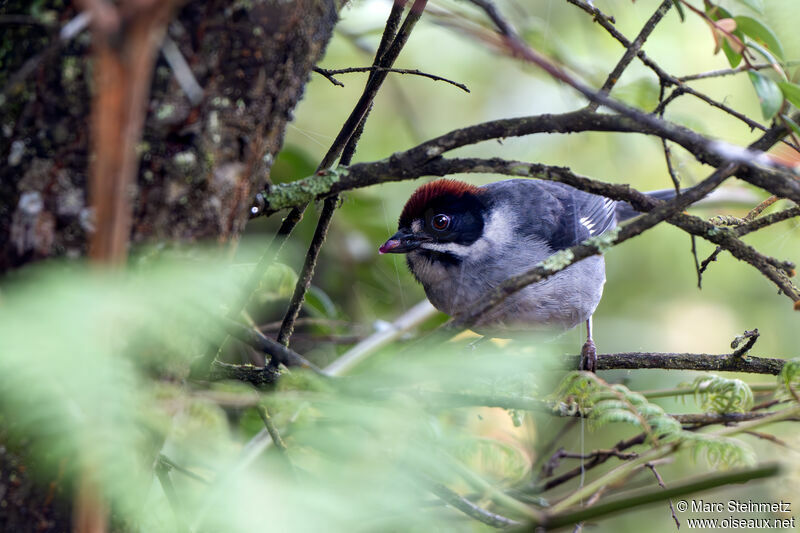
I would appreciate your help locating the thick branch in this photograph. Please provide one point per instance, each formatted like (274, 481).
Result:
(628, 360)
(720, 418)
(260, 377)
(416, 161)
(686, 361)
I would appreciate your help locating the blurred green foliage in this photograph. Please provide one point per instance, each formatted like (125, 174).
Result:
(92, 363)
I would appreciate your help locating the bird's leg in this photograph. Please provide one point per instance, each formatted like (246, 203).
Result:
(589, 352)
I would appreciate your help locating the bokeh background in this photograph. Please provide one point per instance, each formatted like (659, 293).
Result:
(92, 366)
(651, 301)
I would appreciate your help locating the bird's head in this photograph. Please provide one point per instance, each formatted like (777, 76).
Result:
(442, 218)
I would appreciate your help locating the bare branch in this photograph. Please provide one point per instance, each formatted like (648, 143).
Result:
(263, 413)
(659, 494)
(470, 509)
(633, 48)
(661, 484)
(388, 51)
(729, 71)
(280, 354)
(412, 163)
(330, 73)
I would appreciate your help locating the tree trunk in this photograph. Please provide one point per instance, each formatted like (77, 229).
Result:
(200, 163)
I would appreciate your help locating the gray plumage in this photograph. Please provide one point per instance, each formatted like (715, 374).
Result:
(523, 222)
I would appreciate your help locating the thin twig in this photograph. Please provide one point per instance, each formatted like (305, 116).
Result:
(664, 77)
(771, 438)
(470, 509)
(162, 473)
(751, 336)
(280, 354)
(757, 210)
(330, 73)
(656, 494)
(595, 461)
(327, 75)
(182, 71)
(201, 367)
(661, 484)
(186, 472)
(545, 470)
(686, 391)
(304, 280)
(309, 321)
(754, 225)
(676, 183)
(722, 418)
(729, 71)
(611, 452)
(409, 320)
(633, 49)
(388, 51)
(264, 414)
(23, 20)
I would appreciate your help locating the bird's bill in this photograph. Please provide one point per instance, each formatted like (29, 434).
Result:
(400, 243)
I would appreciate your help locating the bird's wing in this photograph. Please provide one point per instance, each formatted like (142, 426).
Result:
(578, 216)
(598, 214)
(554, 213)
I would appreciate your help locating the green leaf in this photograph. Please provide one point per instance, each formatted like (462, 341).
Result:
(319, 304)
(759, 32)
(717, 13)
(792, 124)
(679, 9)
(278, 282)
(791, 91)
(769, 94)
(734, 58)
(789, 378)
(766, 53)
(755, 5)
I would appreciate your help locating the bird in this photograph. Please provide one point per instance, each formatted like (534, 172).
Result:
(462, 240)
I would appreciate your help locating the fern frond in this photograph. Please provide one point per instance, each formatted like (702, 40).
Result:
(789, 380)
(722, 395)
(605, 403)
(720, 451)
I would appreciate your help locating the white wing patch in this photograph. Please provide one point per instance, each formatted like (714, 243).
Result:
(588, 224)
(600, 218)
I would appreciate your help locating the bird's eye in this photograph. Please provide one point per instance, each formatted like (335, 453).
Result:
(440, 222)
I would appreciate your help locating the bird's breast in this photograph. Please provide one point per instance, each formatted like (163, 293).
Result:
(561, 301)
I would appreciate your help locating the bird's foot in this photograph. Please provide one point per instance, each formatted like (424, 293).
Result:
(589, 356)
